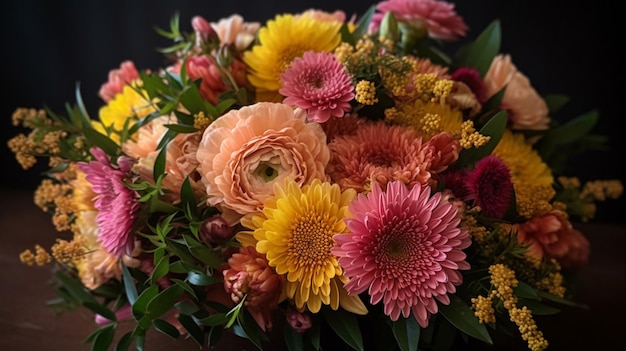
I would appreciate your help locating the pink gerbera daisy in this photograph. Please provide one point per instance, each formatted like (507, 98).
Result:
(117, 204)
(490, 186)
(318, 83)
(405, 248)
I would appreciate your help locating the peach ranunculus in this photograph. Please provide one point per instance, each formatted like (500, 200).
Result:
(554, 236)
(244, 152)
(527, 110)
(180, 160)
(118, 77)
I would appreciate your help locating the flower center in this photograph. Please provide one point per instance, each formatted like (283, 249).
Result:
(266, 172)
(311, 240)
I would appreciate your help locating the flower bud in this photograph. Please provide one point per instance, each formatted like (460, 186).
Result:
(299, 321)
(215, 229)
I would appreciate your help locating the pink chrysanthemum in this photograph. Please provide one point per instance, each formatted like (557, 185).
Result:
(117, 204)
(318, 83)
(379, 153)
(437, 18)
(405, 248)
(490, 186)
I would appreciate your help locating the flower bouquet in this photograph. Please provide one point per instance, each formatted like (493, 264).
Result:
(341, 181)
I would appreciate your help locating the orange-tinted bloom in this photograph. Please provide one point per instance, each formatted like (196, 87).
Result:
(554, 236)
(250, 275)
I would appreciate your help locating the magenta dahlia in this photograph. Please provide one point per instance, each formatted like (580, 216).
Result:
(117, 204)
(405, 247)
(318, 83)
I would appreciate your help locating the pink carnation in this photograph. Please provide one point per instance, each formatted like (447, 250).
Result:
(318, 83)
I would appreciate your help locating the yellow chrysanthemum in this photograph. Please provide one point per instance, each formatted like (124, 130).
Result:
(295, 231)
(129, 104)
(281, 41)
(532, 178)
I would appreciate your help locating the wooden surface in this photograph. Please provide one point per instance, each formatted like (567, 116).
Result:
(26, 323)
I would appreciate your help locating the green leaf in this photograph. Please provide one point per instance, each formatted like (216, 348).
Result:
(179, 128)
(574, 129)
(293, 339)
(462, 317)
(407, 333)
(161, 268)
(345, 326)
(164, 301)
(362, 25)
(494, 128)
(215, 319)
(192, 328)
(102, 141)
(556, 101)
(560, 300)
(124, 343)
(129, 285)
(75, 288)
(86, 120)
(526, 291)
(140, 307)
(188, 200)
(203, 253)
(481, 52)
(166, 328)
(185, 287)
(538, 308)
(104, 338)
(201, 279)
(251, 329)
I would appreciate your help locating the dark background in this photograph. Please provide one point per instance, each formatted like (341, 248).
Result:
(48, 47)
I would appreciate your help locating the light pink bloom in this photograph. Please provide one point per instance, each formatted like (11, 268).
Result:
(233, 30)
(250, 275)
(117, 204)
(490, 186)
(554, 236)
(119, 77)
(244, 152)
(180, 159)
(380, 153)
(318, 83)
(437, 18)
(405, 248)
(527, 110)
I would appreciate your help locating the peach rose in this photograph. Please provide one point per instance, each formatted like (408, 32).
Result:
(554, 236)
(244, 152)
(527, 110)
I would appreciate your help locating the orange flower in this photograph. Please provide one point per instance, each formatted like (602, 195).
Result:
(251, 276)
(554, 236)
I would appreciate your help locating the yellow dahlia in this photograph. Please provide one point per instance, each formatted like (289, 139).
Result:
(295, 231)
(281, 41)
